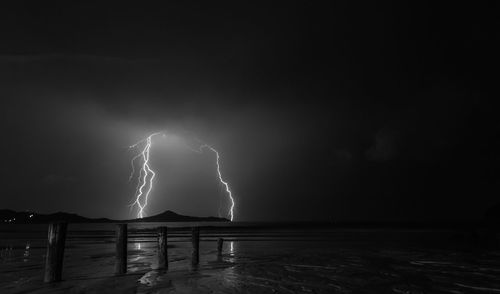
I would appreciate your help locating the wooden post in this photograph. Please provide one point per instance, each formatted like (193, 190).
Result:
(162, 248)
(220, 241)
(195, 239)
(55, 252)
(121, 249)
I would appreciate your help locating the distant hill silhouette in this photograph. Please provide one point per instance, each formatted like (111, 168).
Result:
(170, 216)
(28, 217)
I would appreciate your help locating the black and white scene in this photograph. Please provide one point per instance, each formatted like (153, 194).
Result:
(249, 147)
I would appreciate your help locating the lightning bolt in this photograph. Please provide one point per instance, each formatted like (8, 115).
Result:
(219, 175)
(141, 196)
(133, 166)
(226, 185)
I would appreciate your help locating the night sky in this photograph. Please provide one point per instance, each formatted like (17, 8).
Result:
(347, 112)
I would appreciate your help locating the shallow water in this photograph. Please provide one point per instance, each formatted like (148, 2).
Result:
(254, 260)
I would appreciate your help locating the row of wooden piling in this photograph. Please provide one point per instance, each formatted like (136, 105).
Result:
(57, 238)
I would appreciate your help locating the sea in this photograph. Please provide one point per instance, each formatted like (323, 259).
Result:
(256, 258)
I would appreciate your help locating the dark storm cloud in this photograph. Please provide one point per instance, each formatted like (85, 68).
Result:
(25, 58)
(352, 112)
(57, 180)
(342, 155)
(384, 146)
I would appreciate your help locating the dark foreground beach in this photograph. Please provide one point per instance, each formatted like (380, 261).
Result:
(255, 260)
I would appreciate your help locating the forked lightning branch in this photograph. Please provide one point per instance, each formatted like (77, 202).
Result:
(146, 175)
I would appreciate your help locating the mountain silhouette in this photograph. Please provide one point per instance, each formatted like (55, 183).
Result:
(29, 217)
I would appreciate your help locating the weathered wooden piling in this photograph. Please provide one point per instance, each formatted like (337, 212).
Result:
(55, 252)
(121, 249)
(220, 242)
(162, 248)
(195, 239)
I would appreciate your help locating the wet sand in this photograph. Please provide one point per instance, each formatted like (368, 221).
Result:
(323, 260)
